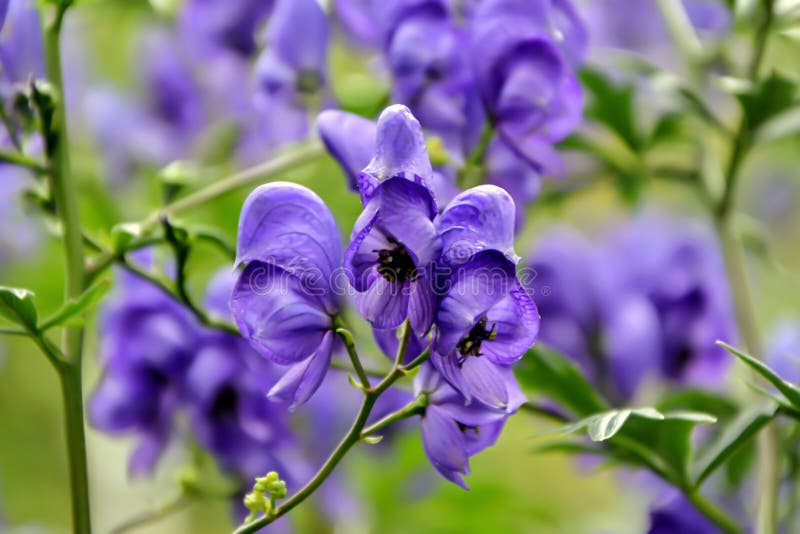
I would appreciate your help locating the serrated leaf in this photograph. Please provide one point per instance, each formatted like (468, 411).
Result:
(552, 375)
(70, 312)
(788, 390)
(731, 440)
(16, 305)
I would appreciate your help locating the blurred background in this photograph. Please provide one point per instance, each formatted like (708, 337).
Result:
(126, 128)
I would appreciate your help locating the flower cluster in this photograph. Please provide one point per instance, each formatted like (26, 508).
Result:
(450, 274)
(495, 83)
(634, 306)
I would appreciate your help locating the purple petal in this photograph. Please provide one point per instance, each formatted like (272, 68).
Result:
(444, 445)
(385, 303)
(276, 314)
(304, 50)
(481, 218)
(302, 379)
(350, 139)
(474, 288)
(389, 343)
(475, 377)
(406, 211)
(148, 451)
(421, 305)
(515, 320)
(288, 225)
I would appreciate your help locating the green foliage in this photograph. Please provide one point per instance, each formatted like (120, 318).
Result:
(766, 100)
(70, 313)
(17, 305)
(789, 391)
(612, 106)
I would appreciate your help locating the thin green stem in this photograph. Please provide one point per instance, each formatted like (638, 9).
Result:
(544, 411)
(153, 516)
(344, 366)
(415, 407)
(713, 513)
(682, 31)
(63, 191)
(21, 160)
(11, 331)
(347, 339)
(352, 437)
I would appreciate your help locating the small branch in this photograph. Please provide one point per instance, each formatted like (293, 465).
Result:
(544, 411)
(415, 407)
(21, 160)
(347, 339)
(344, 366)
(713, 513)
(152, 516)
(352, 437)
(10, 331)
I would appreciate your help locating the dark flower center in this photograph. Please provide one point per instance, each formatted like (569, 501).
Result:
(225, 403)
(470, 345)
(396, 264)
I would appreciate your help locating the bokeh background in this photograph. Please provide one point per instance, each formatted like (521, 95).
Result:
(513, 489)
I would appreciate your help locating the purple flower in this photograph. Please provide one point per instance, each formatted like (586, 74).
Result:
(21, 54)
(356, 17)
(506, 169)
(291, 71)
(428, 57)
(679, 516)
(146, 346)
(452, 430)
(223, 25)
(284, 300)
(525, 74)
(783, 350)
(484, 323)
(400, 150)
(350, 139)
(3, 11)
(392, 250)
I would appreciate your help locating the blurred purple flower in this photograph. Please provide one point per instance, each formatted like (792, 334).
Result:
(484, 323)
(146, 345)
(452, 430)
(21, 53)
(523, 54)
(356, 18)
(679, 516)
(350, 139)
(284, 299)
(3, 11)
(783, 350)
(213, 26)
(392, 250)
(291, 71)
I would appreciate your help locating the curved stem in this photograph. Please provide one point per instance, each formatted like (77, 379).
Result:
(713, 513)
(347, 339)
(415, 407)
(152, 516)
(352, 437)
(63, 191)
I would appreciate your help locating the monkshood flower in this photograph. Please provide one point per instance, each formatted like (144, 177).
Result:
(21, 54)
(452, 430)
(291, 71)
(215, 26)
(392, 251)
(284, 301)
(484, 323)
(225, 383)
(357, 20)
(147, 342)
(523, 56)
(428, 55)
(370, 152)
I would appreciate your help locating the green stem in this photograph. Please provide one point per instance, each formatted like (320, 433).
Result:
(344, 366)
(682, 31)
(21, 160)
(153, 516)
(347, 339)
(63, 191)
(352, 437)
(713, 513)
(415, 407)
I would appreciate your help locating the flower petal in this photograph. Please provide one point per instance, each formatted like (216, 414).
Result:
(385, 303)
(276, 314)
(481, 218)
(302, 379)
(303, 50)
(475, 377)
(515, 320)
(350, 139)
(444, 445)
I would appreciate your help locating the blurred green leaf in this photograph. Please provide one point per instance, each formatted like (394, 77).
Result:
(770, 97)
(668, 127)
(731, 440)
(122, 234)
(790, 391)
(784, 125)
(17, 305)
(69, 313)
(698, 400)
(612, 106)
(547, 372)
(604, 426)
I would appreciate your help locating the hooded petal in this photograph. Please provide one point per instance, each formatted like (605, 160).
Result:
(399, 150)
(302, 379)
(406, 211)
(473, 289)
(385, 303)
(481, 218)
(350, 139)
(276, 314)
(288, 225)
(444, 445)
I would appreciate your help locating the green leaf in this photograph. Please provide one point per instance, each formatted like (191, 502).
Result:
(122, 234)
(612, 106)
(790, 391)
(786, 124)
(17, 305)
(69, 313)
(772, 96)
(731, 440)
(698, 400)
(552, 375)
